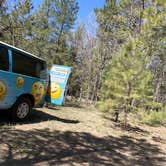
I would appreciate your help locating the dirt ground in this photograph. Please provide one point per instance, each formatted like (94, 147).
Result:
(79, 136)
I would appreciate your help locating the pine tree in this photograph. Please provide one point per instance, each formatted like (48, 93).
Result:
(154, 37)
(135, 29)
(17, 23)
(3, 15)
(52, 22)
(127, 84)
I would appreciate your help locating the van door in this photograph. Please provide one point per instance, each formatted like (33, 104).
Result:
(6, 79)
(57, 82)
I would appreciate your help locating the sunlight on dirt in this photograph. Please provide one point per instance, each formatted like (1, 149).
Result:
(79, 136)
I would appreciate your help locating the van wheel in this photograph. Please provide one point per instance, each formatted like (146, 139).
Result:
(21, 109)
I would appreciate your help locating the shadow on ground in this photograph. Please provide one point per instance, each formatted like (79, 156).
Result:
(130, 128)
(55, 148)
(37, 116)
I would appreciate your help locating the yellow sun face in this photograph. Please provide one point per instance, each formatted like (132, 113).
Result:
(38, 91)
(2, 90)
(55, 90)
(19, 82)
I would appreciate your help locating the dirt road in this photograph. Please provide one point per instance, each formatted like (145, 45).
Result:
(79, 136)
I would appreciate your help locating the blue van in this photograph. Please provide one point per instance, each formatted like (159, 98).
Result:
(23, 81)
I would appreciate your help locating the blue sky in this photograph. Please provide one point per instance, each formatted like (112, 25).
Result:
(86, 7)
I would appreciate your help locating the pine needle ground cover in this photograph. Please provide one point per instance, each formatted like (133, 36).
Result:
(79, 136)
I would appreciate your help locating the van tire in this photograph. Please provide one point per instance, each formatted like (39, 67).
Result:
(21, 109)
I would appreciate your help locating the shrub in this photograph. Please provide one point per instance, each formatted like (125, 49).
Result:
(106, 106)
(154, 118)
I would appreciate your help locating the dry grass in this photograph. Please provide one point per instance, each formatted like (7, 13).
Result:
(79, 136)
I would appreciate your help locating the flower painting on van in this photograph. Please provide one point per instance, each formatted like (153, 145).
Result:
(3, 90)
(38, 91)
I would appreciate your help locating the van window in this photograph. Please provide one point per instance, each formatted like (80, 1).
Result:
(4, 59)
(27, 65)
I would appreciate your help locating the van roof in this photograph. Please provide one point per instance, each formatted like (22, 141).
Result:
(18, 49)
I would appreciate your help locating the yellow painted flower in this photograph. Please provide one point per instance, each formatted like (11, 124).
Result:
(38, 91)
(3, 90)
(19, 82)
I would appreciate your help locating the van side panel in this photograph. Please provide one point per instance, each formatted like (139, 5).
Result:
(14, 85)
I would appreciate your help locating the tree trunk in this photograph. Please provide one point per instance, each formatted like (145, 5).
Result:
(140, 19)
(88, 94)
(80, 95)
(95, 88)
(116, 115)
(125, 118)
(157, 91)
(65, 95)
(158, 87)
(127, 103)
